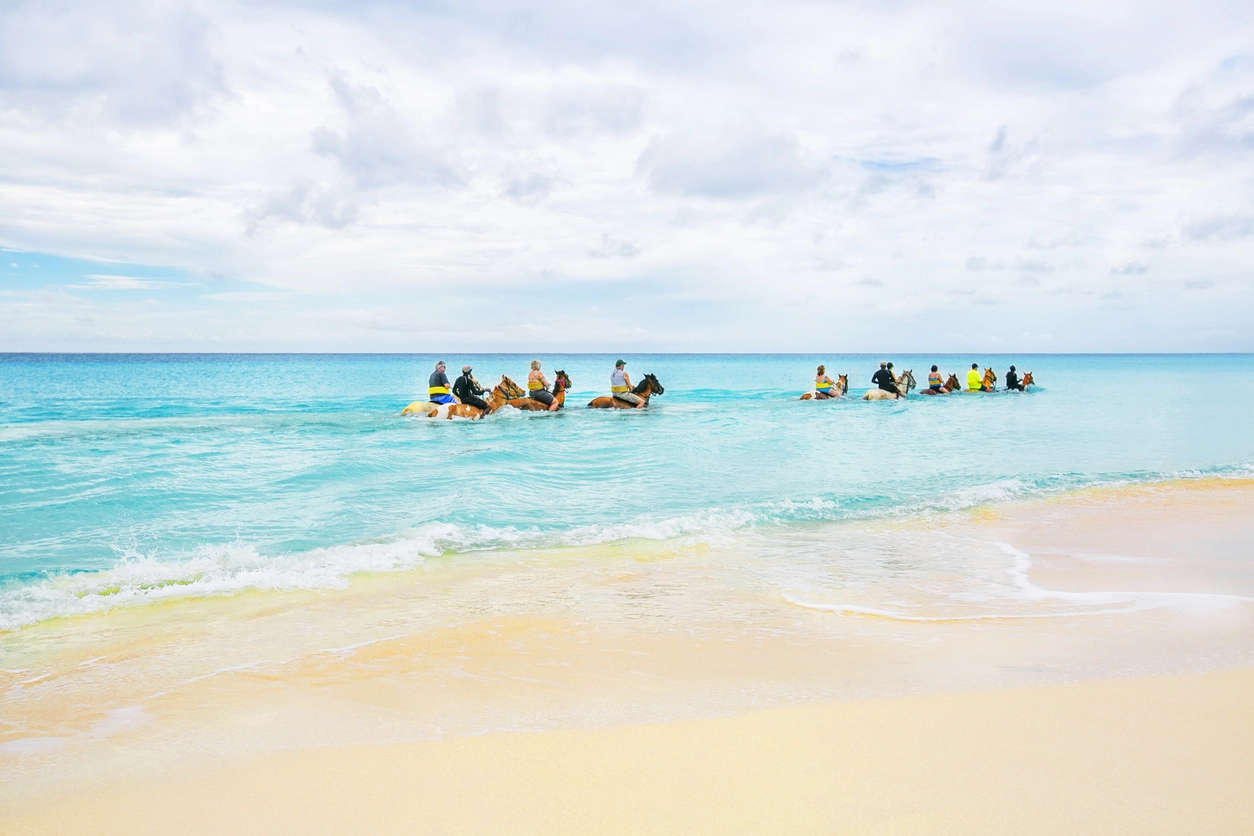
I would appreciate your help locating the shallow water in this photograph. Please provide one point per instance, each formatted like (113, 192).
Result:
(134, 478)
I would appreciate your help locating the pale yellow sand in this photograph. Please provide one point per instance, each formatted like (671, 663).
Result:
(1158, 755)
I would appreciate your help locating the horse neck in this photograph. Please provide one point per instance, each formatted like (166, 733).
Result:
(643, 389)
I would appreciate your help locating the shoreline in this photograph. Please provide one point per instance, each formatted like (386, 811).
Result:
(1095, 588)
(1115, 755)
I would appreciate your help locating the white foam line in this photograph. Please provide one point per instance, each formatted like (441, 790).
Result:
(844, 609)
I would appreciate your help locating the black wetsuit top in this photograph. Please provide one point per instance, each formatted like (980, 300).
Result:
(465, 387)
(884, 379)
(1012, 381)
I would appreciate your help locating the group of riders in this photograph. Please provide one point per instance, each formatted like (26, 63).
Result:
(469, 391)
(888, 381)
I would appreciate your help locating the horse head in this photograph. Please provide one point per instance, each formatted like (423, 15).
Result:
(1027, 379)
(907, 381)
(842, 383)
(561, 381)
(510, 389)
(990, 378)
(653, 385)
(952, 384)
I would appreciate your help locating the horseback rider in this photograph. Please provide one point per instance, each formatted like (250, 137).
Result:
(620, 386)
(975, 380)
(1012, 380)
(934, 380)
(468, 390)
(437, 385)
(884, 378)
(824, 385)
(537, 386)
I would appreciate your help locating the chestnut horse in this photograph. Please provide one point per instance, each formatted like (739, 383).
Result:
(1027, 380)
(499, 396)
(839, 390)
(904, 384)
(645, 388)
(948, 388)
(561, 382)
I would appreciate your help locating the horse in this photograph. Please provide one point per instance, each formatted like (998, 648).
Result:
(500, 395)
(841, 388)
(949, 387)
(904, 384)
(561, 382)
(990, 380)
(1027, 380)
(645, 388)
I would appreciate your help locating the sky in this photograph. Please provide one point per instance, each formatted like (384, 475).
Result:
(485, 175)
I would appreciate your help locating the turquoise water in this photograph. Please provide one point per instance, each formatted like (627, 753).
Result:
(156, 475)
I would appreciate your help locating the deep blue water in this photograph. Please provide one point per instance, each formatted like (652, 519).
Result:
(274, 470)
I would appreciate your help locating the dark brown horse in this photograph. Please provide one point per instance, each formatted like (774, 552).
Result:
(645, 388)
(838, 391)
(561, 382)
(950, 385)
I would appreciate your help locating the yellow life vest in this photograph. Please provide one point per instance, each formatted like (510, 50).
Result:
(533, 385)
(437, 390)
(825, 386)
(974, 380)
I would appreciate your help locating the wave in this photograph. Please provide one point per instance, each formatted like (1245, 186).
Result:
(218, 569)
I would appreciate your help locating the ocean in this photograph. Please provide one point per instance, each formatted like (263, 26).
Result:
(127, 479)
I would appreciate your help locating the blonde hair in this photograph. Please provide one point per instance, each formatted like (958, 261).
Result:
(535, 364)
(821, 370)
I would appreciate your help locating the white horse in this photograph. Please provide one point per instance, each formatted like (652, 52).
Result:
(904, 384)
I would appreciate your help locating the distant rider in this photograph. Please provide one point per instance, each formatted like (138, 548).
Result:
(437, 385)
(537, 386)
(934, 380)
(468, 390)
(884, 379)
(1012, 380)
(824, 386)
(975, 380)
(620, 386)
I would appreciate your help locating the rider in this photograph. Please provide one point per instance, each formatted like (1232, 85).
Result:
(975, 380)
(468, 390)
(620, 386)
(823, 385)
(437, 385)
(1012, 380)
(934, 380)
(884, 379)
(537, 386)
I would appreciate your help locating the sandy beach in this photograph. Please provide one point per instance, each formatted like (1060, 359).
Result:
(1100, 681)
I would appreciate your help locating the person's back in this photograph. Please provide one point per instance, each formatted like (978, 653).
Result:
(884, 379)
(438, 386)
(1012, 380)
(975, 381)
(468, 390)
(934, 381)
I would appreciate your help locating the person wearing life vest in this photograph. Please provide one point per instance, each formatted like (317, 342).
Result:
(467, 390)
(934, 381)
(1012, 380)
(884, 379)
(537, 386)
(975, 380)
(620, 386)
(437, 385)
(824, 386)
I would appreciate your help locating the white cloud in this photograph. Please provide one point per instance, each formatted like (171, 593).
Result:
(397, 173)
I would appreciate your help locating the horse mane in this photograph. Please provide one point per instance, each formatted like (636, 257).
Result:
(641, 387)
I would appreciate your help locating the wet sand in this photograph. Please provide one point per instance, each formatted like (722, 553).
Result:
(1083, 663)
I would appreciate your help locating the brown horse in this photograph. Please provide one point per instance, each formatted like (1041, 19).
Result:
(499, 396)
(839, 390)
(1027, 380)
(561, 382)
(645, 388)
